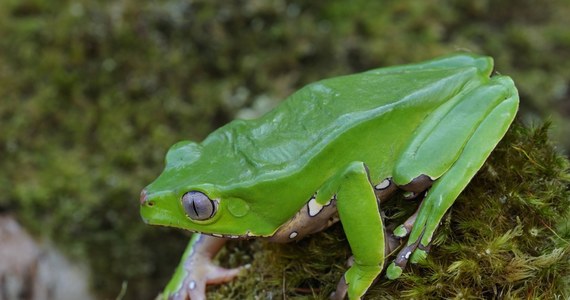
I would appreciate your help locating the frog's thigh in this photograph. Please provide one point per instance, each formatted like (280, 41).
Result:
(362, 223)
(438, 142)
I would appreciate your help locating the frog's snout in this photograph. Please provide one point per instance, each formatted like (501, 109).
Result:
(143, 197)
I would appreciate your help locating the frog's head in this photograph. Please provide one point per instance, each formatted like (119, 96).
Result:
(185, 196)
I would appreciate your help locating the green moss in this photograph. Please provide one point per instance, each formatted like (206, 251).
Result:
(507, 237)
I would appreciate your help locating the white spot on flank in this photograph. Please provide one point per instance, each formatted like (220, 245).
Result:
(293, 234)
(383, 185)
(217, 235)
(192, 285)
(408, 254)
(314, 207)
(234, 236)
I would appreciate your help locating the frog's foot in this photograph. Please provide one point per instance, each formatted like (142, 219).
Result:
(357, 275)
(196, 270)
(341, 290)
(194, 284)
(342, 287)
(414, 252)
(395, 268)
(405, 228)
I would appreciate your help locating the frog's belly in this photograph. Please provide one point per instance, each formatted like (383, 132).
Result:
(311, 218)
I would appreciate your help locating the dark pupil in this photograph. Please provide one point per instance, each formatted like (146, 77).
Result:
(198, 206)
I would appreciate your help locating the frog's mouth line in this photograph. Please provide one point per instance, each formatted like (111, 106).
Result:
(246, 236)
(151, 221)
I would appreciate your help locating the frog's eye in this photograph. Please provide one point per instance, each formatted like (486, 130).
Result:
(198, 206)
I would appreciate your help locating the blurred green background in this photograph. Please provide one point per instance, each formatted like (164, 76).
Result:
(92, 94)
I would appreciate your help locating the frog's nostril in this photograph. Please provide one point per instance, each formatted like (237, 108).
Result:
(143, 197)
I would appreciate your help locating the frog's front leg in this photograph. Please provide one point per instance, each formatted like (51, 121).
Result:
(360, 217)
(196, 270)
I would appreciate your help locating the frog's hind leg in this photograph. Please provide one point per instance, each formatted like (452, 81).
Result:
(359, 214)
(450, 150)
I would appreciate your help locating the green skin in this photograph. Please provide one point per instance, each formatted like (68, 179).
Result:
(334, 150)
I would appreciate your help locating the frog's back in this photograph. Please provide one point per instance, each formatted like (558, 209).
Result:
(306, 123)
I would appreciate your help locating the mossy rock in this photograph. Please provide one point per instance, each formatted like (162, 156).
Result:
(506, 237)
